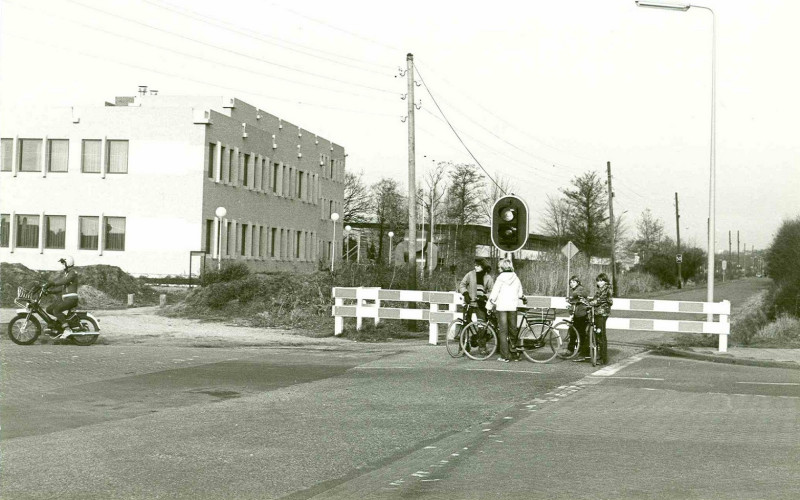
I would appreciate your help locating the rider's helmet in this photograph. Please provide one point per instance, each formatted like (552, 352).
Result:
(68, 261)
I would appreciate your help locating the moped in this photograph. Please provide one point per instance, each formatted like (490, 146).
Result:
(26, 326)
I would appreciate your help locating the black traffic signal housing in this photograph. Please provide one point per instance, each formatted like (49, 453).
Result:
(509, 223)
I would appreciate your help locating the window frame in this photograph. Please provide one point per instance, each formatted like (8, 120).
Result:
(6, 154)
(63, 240)
(38, 159)
(81, 219)
(99, 143)
(107, 234)
(50, 143)
(34, 234)
(109, 144)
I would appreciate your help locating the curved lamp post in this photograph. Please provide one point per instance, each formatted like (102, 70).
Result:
(334, 218)
(220, 212)
(391, 235)
(712, 175)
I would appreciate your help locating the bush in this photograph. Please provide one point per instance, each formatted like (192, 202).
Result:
(783, 266)
(785, 327)
(749, 319)
(231, 271)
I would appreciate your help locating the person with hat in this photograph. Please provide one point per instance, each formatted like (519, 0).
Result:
(476, 286)
(69, 294)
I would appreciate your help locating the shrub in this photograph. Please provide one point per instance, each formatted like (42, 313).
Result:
(231, 271)
(783, 266)
(749, 319)
(785, 327)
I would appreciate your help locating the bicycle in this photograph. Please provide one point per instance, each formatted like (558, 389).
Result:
(455, 330)
(479, 338)
(592, 331)
(538, 340)
(568, 332)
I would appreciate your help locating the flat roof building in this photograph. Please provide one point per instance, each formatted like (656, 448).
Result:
(136, 184)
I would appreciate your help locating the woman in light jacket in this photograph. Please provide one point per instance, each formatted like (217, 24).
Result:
(505, 296)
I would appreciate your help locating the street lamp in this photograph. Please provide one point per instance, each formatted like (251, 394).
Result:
(347, 230)
(712, 175)
(334, 218)
(391, 235)
(220, 212)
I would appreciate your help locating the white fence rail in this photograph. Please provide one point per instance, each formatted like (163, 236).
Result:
(442, 307)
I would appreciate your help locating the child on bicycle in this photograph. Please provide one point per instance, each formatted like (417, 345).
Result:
(602, 302)
(505, 297)
(575, 297)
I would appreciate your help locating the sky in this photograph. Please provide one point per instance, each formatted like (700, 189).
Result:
(536, 92)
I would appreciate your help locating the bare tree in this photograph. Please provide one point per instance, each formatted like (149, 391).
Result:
(463, 200)
(390, 208)
(492, 193)
(432, 196)
(650, 235)
(357, 202)
(556, 217)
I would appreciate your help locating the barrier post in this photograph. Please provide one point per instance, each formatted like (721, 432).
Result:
(338, 321)
(433, 327)
(359, 305)
(723, 338)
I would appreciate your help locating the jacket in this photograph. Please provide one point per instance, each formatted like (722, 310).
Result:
(69, 280)
(507, 292)
(574, 297)
(469, 284)
(602, 301)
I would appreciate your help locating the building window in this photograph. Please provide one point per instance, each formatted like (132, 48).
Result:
(212, 148)
(30, 155)
(57, 155)
(231, 165)
(264, 175)
(246, 169)
(300, 184)
(275, 168)
(243, 241)
(273, 238)
(114, 238)
(298, 244)
(209, 233)
(27, 231)
(117, 157)
(90, 156)
(5, 229)
(89, 233)
(231, 239)
(55, 230)
(6, 155)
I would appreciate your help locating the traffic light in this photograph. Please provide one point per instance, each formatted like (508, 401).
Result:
(509, 223)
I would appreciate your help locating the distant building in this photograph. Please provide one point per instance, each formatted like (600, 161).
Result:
(136, 184)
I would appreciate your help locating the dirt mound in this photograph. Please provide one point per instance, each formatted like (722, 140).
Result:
(102, 286)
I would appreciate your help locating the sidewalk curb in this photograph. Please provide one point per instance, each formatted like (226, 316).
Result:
(723, 358)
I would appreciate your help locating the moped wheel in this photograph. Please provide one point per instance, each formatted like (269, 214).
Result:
(453, 338)
(479, 340)
(24, 330)
(84, 337)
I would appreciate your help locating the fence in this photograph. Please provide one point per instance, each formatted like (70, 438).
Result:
(442, 307)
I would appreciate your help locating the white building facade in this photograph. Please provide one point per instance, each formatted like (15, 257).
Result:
(136, 184)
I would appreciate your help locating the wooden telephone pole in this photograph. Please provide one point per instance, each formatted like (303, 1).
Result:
(412, 178)
(679, 257)
(613, 233)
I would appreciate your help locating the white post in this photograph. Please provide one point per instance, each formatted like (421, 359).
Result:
(433, 327)
(359, 305)
(338, 321)
(723, 338)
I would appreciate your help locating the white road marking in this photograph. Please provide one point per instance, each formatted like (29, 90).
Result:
(385, 367)
(612, 369)
(628, 378)
(496, 370)
(769, 383)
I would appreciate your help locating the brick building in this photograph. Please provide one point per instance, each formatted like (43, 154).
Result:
(136, 184)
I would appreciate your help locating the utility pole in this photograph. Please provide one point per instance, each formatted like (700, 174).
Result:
(678, 227)
(412, 178)
(613, 232)
(738, 262)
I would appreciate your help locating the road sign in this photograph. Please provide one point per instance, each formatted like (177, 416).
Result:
(569, 250)
(679, 258)
(724, 265)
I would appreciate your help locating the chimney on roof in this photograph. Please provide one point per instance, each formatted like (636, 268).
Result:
(142, 90)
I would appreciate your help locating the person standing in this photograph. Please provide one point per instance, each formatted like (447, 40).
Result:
(575, 297)
(505, 297)
(475, 285)
(602, 302)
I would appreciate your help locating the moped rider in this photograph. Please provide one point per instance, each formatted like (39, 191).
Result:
(69, 295)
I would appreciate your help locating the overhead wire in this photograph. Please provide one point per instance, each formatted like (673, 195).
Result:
(189, 55)
(270, 39)
(231, 51)
(457, 135)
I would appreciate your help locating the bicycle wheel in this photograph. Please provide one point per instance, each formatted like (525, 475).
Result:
(23, 330)
(479, 340)
(592, 344)
(453, 338)
(569, 335)
(540, 342)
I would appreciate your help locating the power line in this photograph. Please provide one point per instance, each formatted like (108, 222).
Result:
(186, 54)
(269, 39)
(202, 82)
(456, 133)
(231, 51)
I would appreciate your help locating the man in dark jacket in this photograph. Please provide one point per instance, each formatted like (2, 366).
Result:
(69, 294)
(575, 297)
(476, 286)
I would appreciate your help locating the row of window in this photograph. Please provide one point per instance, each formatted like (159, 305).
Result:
(252, 240)
(29, 228)
(33, 155)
